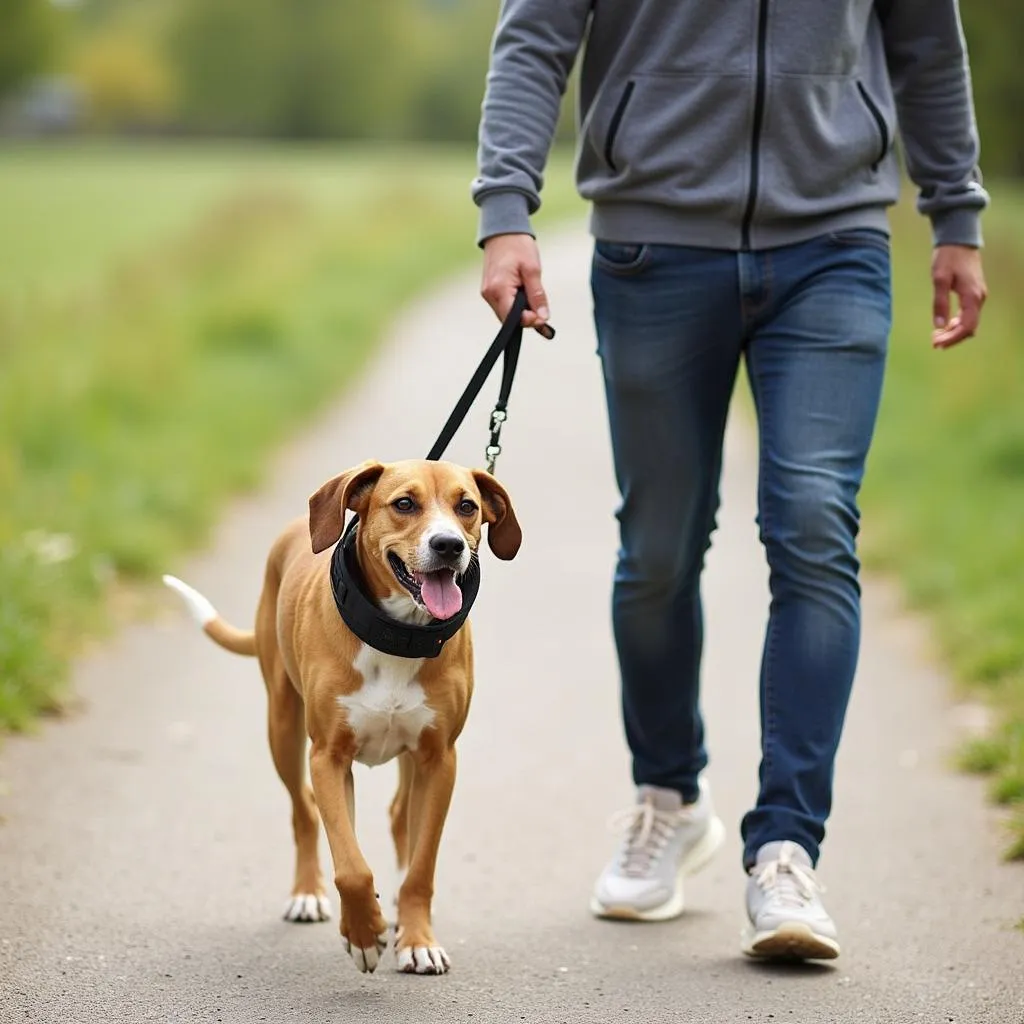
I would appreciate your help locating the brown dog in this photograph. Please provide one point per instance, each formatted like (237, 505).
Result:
(419, 528)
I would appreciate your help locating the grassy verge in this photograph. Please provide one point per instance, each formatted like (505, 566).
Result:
(944, 493)
(166, 317)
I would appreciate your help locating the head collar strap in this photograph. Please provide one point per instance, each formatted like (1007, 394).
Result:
(381, 632)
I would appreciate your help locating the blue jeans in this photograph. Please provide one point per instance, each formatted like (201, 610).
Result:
(812, 322)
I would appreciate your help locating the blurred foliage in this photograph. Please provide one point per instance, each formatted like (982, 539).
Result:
(27, 38)
(405, 69)
(995, 31)
(293, 69)
(297, 68)
(126, 80)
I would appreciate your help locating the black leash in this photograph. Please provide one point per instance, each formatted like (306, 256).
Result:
(361, 614)
(508, 341)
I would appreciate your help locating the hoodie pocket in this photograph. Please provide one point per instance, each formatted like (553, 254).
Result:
(822, 150)
(615, 123)
(884, 138)
(667, 136)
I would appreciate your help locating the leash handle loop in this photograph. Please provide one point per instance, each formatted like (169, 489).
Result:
(508, 341)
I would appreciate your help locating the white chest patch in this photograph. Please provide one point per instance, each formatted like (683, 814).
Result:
(389, 711)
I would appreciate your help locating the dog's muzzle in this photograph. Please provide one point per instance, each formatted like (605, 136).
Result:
(434, 582)
(390, 636)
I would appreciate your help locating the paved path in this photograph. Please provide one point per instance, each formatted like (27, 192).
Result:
(146, 852)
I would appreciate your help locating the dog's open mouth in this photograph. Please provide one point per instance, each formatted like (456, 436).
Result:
(436, 591)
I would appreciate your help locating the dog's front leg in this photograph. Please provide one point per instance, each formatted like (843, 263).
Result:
(433, 781)
(363, 928)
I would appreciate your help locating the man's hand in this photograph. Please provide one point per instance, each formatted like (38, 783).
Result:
(957, 269)
(511, 261)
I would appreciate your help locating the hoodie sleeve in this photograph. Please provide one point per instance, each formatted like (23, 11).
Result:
(534, 48)
(927, 59)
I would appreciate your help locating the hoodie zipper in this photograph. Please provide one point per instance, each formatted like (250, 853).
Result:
(755, 147)
(883, 128)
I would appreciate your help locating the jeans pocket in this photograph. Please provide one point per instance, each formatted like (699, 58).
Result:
(622, 258)
(855, 237)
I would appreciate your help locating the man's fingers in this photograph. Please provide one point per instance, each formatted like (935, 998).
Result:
(511, 261)
(971, 297)
(970, 309)
(942, 281)
(953, 333)
(501, 300)
(499, 295)
(537, 300)
(956, 269)
(536, 316)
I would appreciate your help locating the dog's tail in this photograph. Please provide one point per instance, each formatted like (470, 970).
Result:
(220, 632)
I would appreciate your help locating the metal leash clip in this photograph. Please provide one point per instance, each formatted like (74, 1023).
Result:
(493, 450)
(506, 345)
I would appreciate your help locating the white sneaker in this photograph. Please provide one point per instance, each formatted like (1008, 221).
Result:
(787, 918)
(664, 841)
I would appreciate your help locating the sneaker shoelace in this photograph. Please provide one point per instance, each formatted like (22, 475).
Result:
(787, 883)
(647, 833)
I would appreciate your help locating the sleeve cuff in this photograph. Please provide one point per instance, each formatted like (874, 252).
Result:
(503, 213)
(958, 226)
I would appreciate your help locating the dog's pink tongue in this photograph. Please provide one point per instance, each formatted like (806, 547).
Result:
(441, 594)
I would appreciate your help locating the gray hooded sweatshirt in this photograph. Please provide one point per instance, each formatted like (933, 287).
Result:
(734, 124)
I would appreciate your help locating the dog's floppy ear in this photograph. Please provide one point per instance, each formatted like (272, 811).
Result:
(503, 532)
(350, 490)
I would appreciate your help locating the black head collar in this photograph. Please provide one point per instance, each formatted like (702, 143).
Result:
(380, 631)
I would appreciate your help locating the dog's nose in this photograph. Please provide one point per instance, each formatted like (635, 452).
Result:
(447, 545)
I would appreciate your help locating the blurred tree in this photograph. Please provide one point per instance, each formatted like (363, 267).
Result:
(456, 42)
(27, 36)
(995, 33)
(301, 68)
(416, 68)
(126, 80)
(313, 68)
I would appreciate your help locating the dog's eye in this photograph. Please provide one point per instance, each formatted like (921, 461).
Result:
(466, 507)
(404, 505)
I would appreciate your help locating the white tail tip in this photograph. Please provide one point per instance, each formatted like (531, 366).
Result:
(202, 611)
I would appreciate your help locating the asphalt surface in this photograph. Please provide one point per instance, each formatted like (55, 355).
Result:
(145, 853)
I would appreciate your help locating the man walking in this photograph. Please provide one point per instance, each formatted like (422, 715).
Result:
(739, 160)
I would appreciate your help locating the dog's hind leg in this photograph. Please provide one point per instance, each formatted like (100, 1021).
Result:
(399, 810)
(398, 815)
(287, 731)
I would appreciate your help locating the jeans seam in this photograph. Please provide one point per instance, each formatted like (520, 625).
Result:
(768, 725)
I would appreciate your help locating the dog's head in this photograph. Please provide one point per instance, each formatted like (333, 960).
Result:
(420, 526)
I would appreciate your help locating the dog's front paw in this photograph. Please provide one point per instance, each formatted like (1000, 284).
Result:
(364, 934)
(423, 960)
(306, 907)
(366, 958)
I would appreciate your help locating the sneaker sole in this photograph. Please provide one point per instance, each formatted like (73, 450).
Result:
(699, 857)
(793, 940)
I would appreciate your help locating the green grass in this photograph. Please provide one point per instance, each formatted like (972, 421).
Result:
(68, 213)
(167, 315)
(944, 494)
